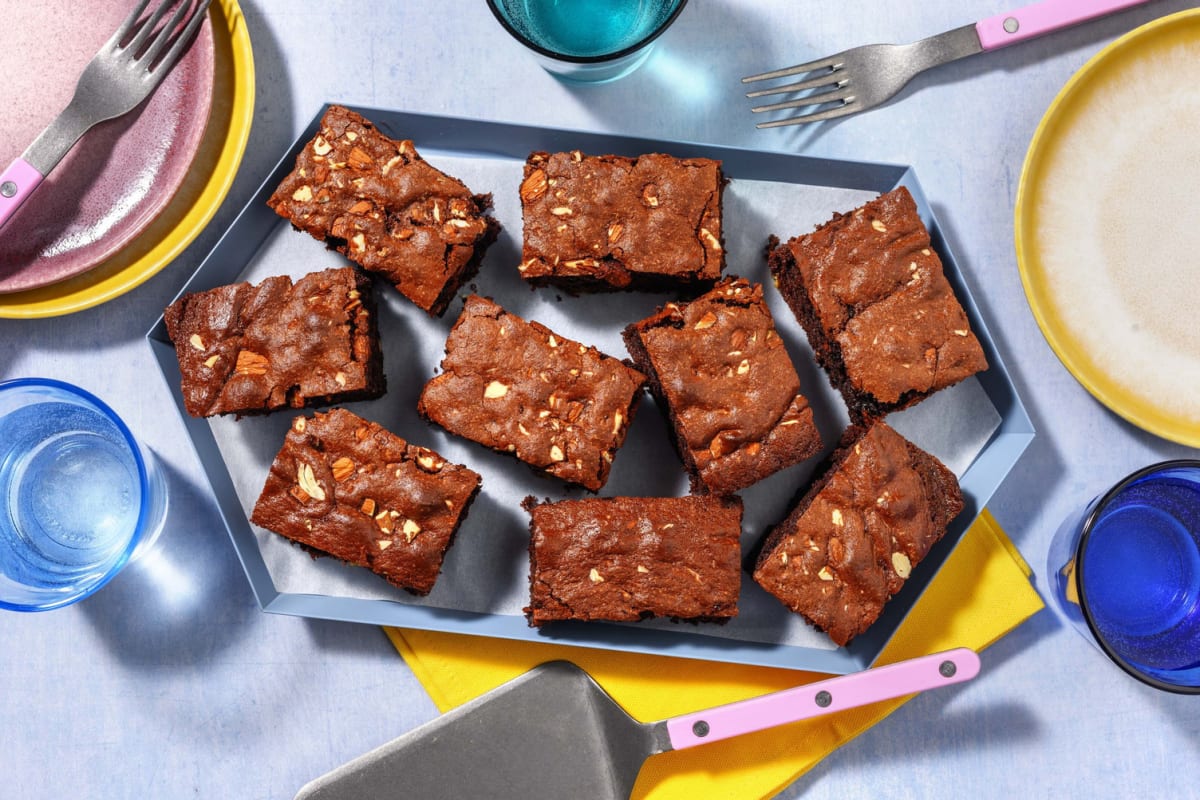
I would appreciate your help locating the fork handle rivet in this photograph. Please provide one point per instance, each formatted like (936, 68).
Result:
(8, 189)
(700, 729)
(824, 699)
(1011, 25)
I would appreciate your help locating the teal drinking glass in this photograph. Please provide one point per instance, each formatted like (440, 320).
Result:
(587, 40)
(1126, 573)
(80, 496)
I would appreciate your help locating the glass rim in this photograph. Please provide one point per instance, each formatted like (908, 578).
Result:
(143, 481)
(1089, 524)
(600, 59)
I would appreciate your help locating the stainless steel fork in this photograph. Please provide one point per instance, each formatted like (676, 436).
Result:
(117, 79)
(863, 77)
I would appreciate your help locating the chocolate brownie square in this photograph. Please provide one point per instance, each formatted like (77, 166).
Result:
(629, 558)
(377, 202)
(721, 374)
(519, 388)
(852, 539)
(880, 315)
(346, 487)
(246, 349)
(609, 222)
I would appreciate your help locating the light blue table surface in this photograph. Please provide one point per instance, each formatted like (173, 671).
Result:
(170, 683)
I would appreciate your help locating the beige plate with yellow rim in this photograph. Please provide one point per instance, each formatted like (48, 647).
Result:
(202, 192)
(1106, 231)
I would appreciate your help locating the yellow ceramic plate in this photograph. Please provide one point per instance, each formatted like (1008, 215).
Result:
(1107, 231)
(198, 198)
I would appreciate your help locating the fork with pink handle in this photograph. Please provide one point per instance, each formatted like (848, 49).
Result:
(117, 79)
(863, 77)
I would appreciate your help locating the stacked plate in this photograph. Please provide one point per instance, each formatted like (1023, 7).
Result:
(135, 191)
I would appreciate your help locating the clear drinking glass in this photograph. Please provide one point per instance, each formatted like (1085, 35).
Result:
(1126, 573)
(80, 496)
(587, 40)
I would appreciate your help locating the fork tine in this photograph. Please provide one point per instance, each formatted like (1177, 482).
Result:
(831, 78)
(831, 61)
(127, 25)
(181, 43)
(147, 28)
(165, 33)
(820, 98)
(832, 113)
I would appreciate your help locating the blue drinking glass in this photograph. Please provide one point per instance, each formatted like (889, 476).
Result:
(587, 40)
(1126, 573)
(80, 497)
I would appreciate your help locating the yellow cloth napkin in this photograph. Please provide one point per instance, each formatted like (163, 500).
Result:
(981, 593)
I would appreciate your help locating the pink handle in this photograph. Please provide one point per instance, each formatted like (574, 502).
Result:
(17, 183)
(1050, 15)
(823, 697)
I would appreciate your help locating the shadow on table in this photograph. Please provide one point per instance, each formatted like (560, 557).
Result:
(186, 598)
(682, 80)
(948, 728)
(1034, 484)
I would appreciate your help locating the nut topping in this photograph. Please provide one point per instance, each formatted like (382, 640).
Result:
(195, 341)
(533, 186)
(303, 194)
(308, 483)
(359, 158)
(342, 468)
(494, 390)
(901, 564)
(595, 577)
(707, 321)
(251, 363)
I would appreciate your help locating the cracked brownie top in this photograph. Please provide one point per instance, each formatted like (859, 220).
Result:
(629, 558)
(886, 318)
(728, 385)
(610, 222)
(519, 388)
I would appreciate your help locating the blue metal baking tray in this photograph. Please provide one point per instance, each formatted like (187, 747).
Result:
(259, 241)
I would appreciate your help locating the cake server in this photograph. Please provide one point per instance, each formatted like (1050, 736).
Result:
(117, 79)
(553, 733)
(863, 77)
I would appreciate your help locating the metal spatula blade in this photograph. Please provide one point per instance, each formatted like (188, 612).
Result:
(554, 732)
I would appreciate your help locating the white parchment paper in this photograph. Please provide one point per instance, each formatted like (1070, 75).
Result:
(487, 568)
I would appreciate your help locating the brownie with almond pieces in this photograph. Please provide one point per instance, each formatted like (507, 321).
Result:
(517, 387)
(854, 536)
(596, 223)
(346, 487)
(377, 202)
(872, 296)
(721, 374)
(246, 349)
(631, 558)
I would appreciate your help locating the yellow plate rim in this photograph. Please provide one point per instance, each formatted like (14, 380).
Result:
(49, 301)
(1100, 386)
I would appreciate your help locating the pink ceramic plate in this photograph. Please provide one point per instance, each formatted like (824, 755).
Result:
(122, 173)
